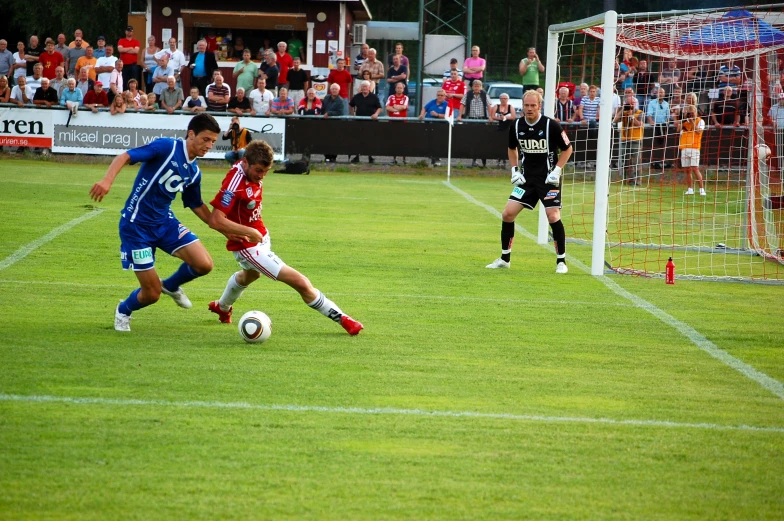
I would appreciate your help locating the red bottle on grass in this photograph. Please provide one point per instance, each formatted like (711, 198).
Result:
(669, 272)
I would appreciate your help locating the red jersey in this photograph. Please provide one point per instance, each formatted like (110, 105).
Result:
(240, 200)
(285, 62)
(129, 58)
(397, 100)
(454, 87)
(50, 63)
(342, 78)
(212, 43)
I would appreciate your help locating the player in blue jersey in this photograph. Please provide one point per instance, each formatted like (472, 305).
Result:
(147, 222)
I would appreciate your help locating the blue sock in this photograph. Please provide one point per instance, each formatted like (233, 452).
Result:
(183, 274)
(132, 303)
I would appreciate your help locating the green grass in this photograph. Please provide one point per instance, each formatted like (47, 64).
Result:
(404, 254)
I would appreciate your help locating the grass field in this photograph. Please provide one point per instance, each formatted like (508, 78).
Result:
(471, 394)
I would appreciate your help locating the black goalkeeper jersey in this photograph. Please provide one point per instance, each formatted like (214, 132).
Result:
(538, 144)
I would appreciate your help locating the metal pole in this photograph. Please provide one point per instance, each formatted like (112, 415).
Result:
(421, 65)
(548, 109)
(469, 27)
(449, 153)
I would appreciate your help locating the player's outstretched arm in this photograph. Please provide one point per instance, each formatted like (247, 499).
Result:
(101, 188)
(234, 231)
(203, 213)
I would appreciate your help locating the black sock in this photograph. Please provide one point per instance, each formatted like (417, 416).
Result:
(507, 238)
(559, 236)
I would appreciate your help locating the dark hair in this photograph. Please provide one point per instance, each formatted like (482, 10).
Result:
(203, 122)
(258, 152)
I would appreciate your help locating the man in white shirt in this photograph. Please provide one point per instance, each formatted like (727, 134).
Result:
(104, 66)
(177, 59)
(21, 94)
(161, 75)
(34, 81)
(260, 98)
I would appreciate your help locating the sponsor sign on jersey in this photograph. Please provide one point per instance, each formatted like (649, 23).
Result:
(143, 256)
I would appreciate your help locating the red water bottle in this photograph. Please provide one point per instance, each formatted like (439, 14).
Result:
(669, 272)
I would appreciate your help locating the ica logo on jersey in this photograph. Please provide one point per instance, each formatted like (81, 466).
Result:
(533, 146)
(171, 181)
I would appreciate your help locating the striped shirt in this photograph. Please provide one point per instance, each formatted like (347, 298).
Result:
(590, 108)
(279, 104)
(221, 91)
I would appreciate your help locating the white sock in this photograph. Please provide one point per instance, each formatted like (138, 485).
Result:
(232, 292)
(326, 307)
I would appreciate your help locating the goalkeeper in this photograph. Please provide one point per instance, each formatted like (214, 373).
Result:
(536, 176)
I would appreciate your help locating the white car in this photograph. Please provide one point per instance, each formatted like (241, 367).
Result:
(515, 91)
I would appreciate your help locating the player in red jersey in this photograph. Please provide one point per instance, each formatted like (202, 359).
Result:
(455, 90)
(397, 107)
(237, 211)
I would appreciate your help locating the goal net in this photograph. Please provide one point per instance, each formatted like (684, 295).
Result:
(651, 103)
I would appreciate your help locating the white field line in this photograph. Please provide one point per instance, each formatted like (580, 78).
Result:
(380, 411)
(364, 295)
(28, 248)
(694, 336)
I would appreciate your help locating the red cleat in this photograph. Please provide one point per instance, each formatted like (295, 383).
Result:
(224, 316)
(351, 326)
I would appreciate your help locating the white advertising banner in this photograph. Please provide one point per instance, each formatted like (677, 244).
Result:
(103, 134)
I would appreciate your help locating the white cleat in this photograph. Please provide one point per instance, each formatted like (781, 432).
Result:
(702, 192)
(122, 322)
(179, 297)
(689, 192)
(498, 263)
(561, 268)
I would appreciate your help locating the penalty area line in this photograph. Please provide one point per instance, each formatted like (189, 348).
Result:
(694, 336)
(381, 411)
(30, 247)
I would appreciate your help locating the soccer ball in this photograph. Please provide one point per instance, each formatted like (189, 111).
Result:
(763, 152)
(255, 327)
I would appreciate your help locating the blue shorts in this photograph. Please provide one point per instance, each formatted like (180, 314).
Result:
(138, 242)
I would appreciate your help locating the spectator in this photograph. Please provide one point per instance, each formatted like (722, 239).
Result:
(285, 62)
(474, 67)
(626, 71)
(22, 94)
(475, 106)
(130, 104)
(582, 92)
(59, 82)
(342, 78)
(333, 105)
(360, 60)
(240, 104)
(235, 51)
(143, 102)
(161, 75)
(454, 90)
(177, 59)
(104, 66)
(658, 116)
(45, 96)
(99, 51)
(630, 157)
(730, 76)
(195, 102)
(211, 40)
(504, 113)
(133, 90)
(691, 129)
(636, 102)
(588, 111)
(726, 110)
(310, 105)
(530, 67)
(88, 61)
(85, 84)
(116, 84)
(366, 104)
(96, 97)
(34, 81)
(202, 65)
(211, 85)
(19, 67)
(50, 60)
(366, 76)
(695, 78)
(283, 105)
(776, 114)
(151, 57)
(5, 90)
(71, 97)
(32, 54)
(78, 37)
(398, 52)
(152, 102)
(245, 72)
(74, 55)
(452, 67)
(171, 97)
(218, 95)
(397, 73)
(63, 49)
(128, 49)
(264, 50)
(239, 138)
(397, 106)
(670, 76)
(261, 98)
(299, 80)
(117, 106)
(676, 105)
(436, 109)
(564, 108)
(296, 48)
(691, 99)
(271, 72)
(375, 67)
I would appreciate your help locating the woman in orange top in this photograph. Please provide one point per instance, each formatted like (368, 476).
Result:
(691, 127)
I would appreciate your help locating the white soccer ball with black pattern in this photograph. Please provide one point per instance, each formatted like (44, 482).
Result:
(763, 152)
(255, 327)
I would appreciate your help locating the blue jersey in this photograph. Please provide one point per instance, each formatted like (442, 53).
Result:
(165, 171)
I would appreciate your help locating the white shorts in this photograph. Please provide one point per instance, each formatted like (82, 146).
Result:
(260, 258)
(690, 157)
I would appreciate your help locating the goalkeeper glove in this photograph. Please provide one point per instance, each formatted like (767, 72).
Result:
(518, 179)
(554, 177)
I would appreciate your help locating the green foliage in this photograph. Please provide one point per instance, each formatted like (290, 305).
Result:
(50, 18)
